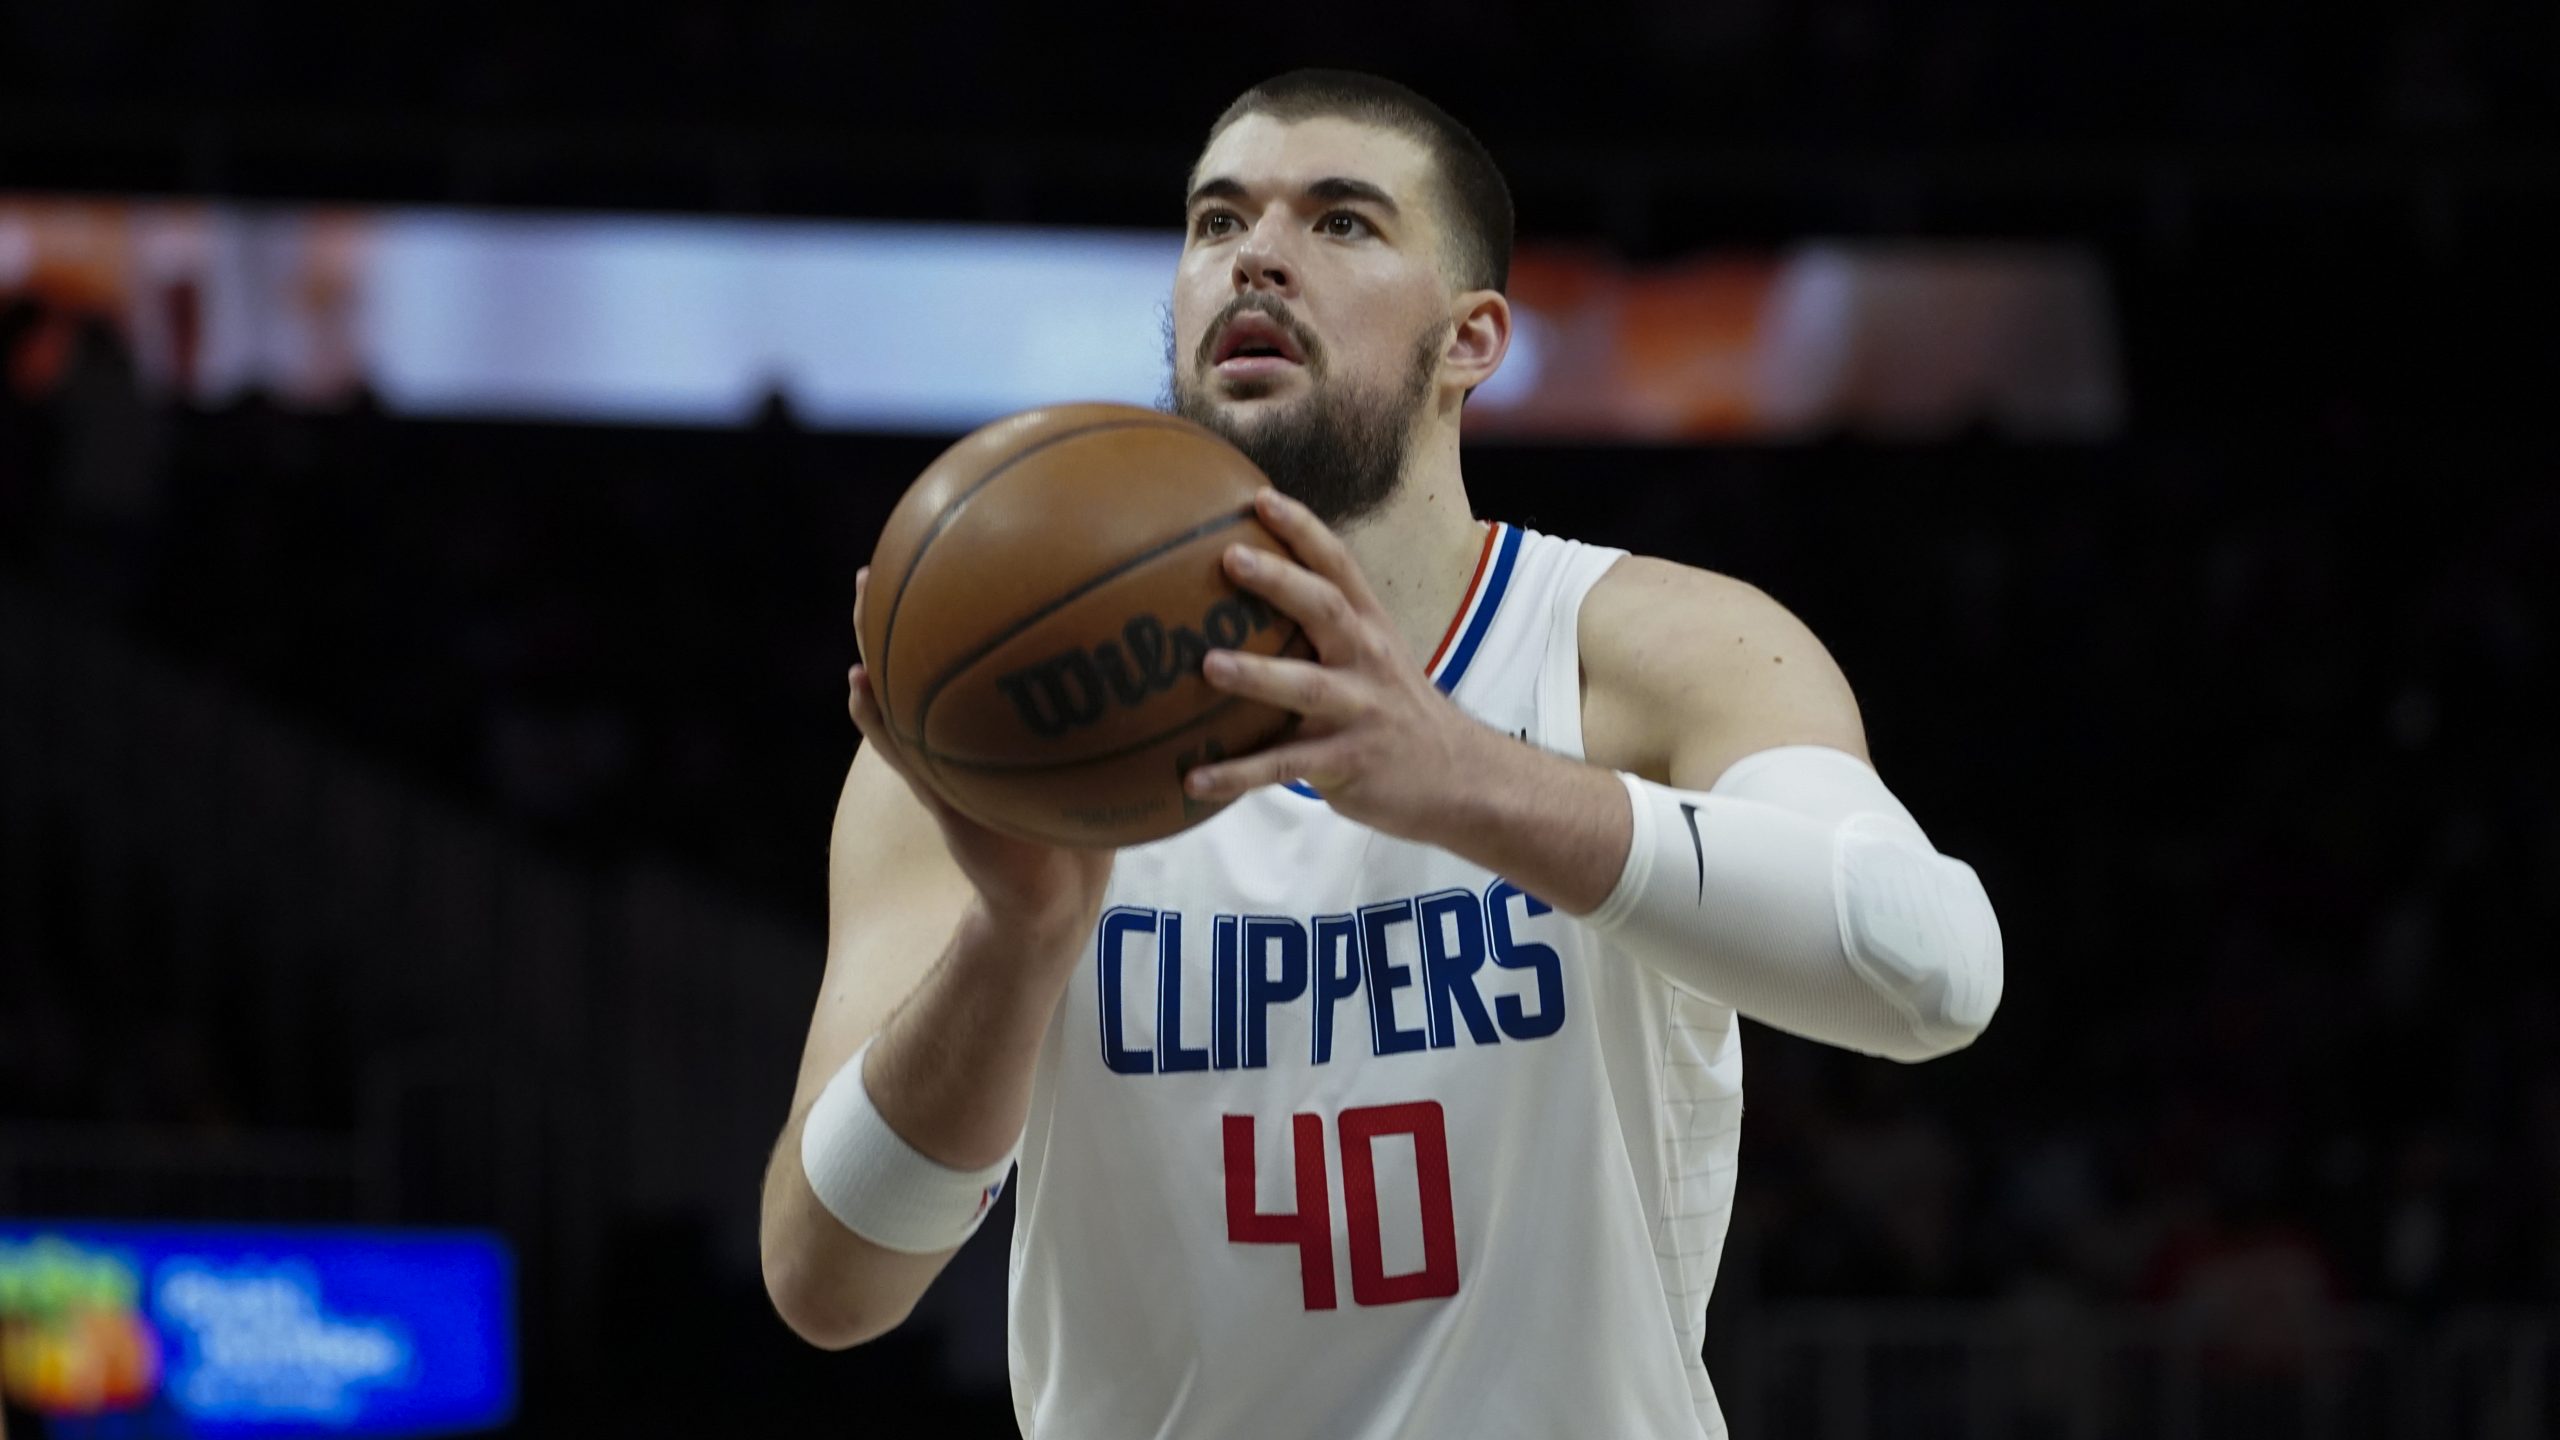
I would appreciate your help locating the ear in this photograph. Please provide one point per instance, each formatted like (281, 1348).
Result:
(1480, 335)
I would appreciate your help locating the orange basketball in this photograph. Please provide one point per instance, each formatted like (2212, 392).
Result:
(1038, 608)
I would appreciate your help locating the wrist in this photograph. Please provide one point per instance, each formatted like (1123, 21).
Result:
(879, 1185)
(1486, 770)
(1555, 826)
(1048, 937)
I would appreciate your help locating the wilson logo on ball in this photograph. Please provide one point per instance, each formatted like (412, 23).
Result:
(1076, 688)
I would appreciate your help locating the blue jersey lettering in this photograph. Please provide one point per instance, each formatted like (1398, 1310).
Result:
(1118, 924)
(1337, 977)
(1171, 1055)
(1452, 953)
(1386, 977)
(1518, 1021)
(1272, 943)
(1431, 948)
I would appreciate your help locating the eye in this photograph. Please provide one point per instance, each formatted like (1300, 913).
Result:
(1343, 224)
(1213, 223)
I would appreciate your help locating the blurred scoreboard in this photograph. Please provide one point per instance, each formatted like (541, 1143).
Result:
(216, 1331)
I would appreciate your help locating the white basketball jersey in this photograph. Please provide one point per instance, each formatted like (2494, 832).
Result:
(1337, 1137)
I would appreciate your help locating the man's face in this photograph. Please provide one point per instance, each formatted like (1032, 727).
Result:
(1310, 308)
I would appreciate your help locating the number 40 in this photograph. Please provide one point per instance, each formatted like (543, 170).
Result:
(1310, 1227)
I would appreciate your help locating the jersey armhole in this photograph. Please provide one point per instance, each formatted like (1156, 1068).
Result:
(1560, 670)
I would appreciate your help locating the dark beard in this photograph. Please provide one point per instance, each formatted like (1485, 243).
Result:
(1339, 452)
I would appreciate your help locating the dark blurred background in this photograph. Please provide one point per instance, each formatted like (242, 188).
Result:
(423, 822)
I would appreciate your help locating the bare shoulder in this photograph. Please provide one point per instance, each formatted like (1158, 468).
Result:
(1686, 671)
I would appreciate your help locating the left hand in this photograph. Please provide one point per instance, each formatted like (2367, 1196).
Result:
(1375, 736)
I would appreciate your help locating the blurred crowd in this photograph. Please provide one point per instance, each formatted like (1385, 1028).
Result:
(1856, 70)
(2244, 719)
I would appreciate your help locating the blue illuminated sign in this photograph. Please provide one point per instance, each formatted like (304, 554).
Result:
(222, 1331)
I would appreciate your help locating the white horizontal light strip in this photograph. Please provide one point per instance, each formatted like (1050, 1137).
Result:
(697, 321)
(938, 328)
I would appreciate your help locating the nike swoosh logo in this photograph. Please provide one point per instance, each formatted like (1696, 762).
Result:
(1689, 812)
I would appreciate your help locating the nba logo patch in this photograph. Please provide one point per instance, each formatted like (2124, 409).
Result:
(987, 1197)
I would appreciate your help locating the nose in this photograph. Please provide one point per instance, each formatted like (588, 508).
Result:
(1260, 265)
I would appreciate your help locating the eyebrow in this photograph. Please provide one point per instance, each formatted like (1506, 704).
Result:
(1331, 188)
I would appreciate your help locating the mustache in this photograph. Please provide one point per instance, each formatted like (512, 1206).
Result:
(1269, 308)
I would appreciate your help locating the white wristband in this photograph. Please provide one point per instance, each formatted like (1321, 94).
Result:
(879, 1186)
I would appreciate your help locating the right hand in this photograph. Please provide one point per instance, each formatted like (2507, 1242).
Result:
(1021, 884)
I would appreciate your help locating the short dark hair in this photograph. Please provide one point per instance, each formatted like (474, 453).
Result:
(1478, 200)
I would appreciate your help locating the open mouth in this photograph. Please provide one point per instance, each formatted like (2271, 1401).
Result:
(1254, 344)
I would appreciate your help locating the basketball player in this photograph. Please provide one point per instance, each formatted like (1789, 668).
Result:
(1402, 1097)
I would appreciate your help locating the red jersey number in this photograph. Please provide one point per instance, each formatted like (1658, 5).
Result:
(1310, 1226)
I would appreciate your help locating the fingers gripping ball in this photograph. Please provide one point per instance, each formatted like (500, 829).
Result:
(1038, 608)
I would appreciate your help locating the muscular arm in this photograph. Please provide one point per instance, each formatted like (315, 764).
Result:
(1687, 674)
(1683, 674)
(959, 1003)
(1805, 896)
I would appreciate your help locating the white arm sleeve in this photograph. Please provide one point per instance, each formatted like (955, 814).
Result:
(1801, 893)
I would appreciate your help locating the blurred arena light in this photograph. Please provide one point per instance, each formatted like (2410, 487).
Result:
(937, 328)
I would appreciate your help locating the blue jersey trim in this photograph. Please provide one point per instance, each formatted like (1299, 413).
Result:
(1450, 674)
(1494, 585)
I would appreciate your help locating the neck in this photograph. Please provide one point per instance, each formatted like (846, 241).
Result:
(1419, 549)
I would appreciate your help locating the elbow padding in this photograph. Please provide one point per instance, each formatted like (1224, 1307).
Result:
(1801, 892)
(1919, 930)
